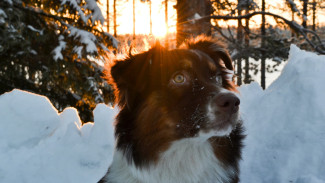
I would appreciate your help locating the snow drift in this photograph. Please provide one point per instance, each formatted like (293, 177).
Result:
(284, 126)
(39, 145)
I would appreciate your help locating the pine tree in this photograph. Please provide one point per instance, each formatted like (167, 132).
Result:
(263, 46)
(53, 48)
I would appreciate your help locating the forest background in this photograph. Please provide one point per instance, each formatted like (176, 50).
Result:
(59, 48)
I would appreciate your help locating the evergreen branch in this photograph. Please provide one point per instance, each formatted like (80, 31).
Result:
(62, 20)
(41, 12)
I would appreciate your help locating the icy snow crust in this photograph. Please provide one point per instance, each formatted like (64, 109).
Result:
(285, 127)
(39, 145)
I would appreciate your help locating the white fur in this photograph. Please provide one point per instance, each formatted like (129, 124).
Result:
(189, 160)
(216, 133)
(210, 111)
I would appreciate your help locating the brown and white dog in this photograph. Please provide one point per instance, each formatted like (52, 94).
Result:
(179, 119)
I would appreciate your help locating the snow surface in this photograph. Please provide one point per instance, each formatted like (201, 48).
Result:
(38, 144)
(284, 126)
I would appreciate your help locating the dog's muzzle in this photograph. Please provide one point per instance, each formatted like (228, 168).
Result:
(223, 110)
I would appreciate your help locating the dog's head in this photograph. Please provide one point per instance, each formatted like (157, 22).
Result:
(166, 95)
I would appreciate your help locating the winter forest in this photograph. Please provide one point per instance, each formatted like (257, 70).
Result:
(59, 49)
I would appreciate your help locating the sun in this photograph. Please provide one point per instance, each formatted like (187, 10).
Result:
(159, 31)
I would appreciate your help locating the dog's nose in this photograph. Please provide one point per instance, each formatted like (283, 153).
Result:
(227, 102)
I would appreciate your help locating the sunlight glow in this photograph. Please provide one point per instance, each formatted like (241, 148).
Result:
(159, 31)
(142, 17)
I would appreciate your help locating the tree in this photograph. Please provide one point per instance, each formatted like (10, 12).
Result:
(247, 5)
(133, 7)
(304, 13)
(107, 14)
(293, 7)
(314, 15)
(53, 48)
(114, 18)
(263, 45)
(274, 44)
(188, 14)
(166, 23)
(239, 45)
(240, 42)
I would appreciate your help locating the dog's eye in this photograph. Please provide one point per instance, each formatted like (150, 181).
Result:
(179, 78)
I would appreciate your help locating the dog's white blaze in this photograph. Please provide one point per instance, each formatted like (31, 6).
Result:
(216, 133)
(210, 112)
(190, 160)
(211, 108)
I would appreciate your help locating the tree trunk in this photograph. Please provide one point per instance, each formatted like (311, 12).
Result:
(314, 15)
(240, 42)
(263, 47)
(304, 13)
(293, 19)
(166, 23)
(150, 16)
(107, 15)
(115, 26)
(247, 76)
(187, 11)
(133, 19)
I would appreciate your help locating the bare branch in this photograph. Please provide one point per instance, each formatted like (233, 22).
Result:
(320, 47)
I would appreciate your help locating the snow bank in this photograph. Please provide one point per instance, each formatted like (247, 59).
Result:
(286, 124)
(37, 144)
(285, 132)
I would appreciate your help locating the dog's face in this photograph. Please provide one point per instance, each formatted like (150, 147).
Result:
(167, 95)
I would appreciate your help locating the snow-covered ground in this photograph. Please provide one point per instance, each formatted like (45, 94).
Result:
(285, 127)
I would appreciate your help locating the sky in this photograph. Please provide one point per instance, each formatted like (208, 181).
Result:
(125, 16)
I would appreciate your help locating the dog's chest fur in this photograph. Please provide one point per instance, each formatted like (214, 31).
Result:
(186, 161)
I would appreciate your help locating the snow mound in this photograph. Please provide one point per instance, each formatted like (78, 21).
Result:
(37, 144)
(285, 124)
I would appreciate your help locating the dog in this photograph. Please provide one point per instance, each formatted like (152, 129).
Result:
(179, 116)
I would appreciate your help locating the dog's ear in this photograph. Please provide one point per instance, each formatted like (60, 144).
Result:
(125, 72)
(215, 49)
(131, 76)
(125, 76)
